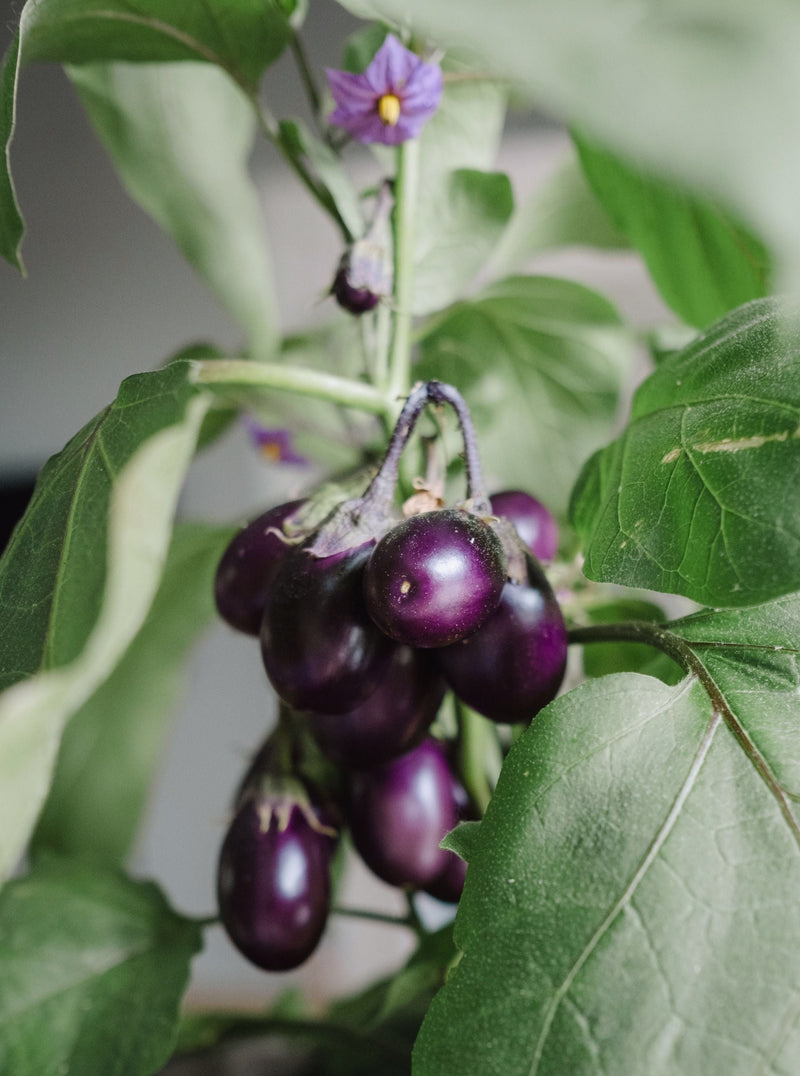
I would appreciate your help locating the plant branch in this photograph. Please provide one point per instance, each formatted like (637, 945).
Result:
(238, 373)
(377, 917)
(405, 211)
(271, 130)
(307, 78)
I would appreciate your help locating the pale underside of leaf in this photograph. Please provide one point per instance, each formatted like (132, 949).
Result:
(33, 712)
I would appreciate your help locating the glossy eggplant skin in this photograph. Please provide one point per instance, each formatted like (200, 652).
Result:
(434, 578)
(320, 648)
(532, 521)
(514, 664)
(399, 812)
(391, 721)
(247, 567)
(273, 884)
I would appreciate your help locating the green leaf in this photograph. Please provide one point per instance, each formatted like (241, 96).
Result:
(540, 362)
(703, 262)
(751, 654)
(701, 493)
(80, 572)
(631, 898)
(12, 226)
(563, 212)
(240, 36)
(705, 93)
(328, 166)
(457, 227)
(94, 967)
(180, 136)
(112, 744)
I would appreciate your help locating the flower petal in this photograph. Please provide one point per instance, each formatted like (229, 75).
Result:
(350, 91)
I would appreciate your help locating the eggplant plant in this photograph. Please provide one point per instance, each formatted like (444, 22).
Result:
(534, 641)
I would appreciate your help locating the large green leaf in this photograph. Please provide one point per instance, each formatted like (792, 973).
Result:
(562, 212)
(540, 362)
(703, 92)
(80, 572)
(701, 260)
(241, 36)
(180, 136)
(458, 226)
(94, 967)
(631, 899)
(112, 744)
(701, 494)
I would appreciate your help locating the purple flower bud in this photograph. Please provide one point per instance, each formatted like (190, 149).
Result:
(365, 273)
(391, 101)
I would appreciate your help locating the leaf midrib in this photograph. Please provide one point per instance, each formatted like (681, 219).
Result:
(653, 850)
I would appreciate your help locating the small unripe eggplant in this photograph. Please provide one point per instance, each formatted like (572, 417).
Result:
(273, 881)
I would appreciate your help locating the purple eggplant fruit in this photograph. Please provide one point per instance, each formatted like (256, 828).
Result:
(320, 648)
(434, 578)
(247, 567)
(391, 721)
(532, 521)
(514, 664)
(273, 881)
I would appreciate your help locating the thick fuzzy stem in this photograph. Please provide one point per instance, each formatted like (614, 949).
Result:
(441, 393)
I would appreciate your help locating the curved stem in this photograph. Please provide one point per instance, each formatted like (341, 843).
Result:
(405, 210)
(381, 488)
(271, 130)
(439, 392)
(238, 373)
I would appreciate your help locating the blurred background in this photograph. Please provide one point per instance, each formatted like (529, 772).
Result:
(107, 295)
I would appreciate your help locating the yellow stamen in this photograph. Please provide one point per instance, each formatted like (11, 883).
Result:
(389, 109)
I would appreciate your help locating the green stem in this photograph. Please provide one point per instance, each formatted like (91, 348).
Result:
(376, 917)
(271, 130)
(307, 78)
(405, 210)
(239, 373)
(472, 745)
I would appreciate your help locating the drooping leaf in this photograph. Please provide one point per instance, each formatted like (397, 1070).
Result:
(630, 901)
(540, 362)
(328, 167)
(704, 93)
(562, 212)
(702, 261)
(94, 967)
(701, 494)
(80, 572)
(458, 225)
(241, 36)
(111, 745)
(180, 136)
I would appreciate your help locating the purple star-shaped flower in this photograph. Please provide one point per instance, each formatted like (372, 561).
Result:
(274, 445)
(391, 101)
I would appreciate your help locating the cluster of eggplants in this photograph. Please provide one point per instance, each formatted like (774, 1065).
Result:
(364, 622)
